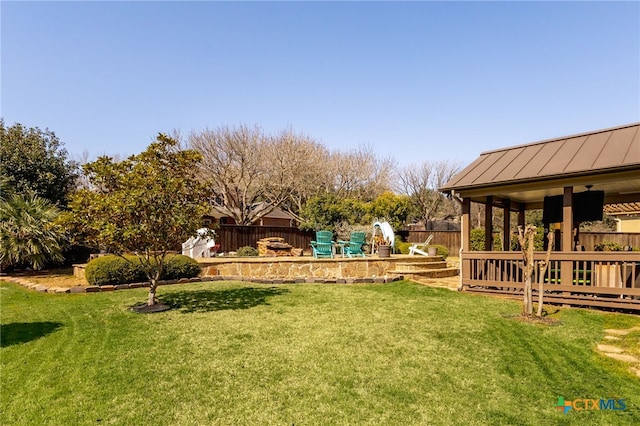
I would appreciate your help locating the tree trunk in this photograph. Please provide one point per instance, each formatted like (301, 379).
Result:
(543, 270)
(152, 293)
(525, 237)
(528, 302)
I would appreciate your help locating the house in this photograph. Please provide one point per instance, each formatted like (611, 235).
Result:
(626, 215)
(572, 179)
(276, 217)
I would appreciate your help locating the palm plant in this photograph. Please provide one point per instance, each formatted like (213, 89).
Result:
(28, 235)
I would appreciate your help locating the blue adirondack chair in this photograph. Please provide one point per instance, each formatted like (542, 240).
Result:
(353, 247)
(323, 244)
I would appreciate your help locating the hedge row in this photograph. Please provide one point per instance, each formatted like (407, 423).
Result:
(113, 270)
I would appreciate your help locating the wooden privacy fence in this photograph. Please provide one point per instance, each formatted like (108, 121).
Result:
(590, 239)
(232, 237)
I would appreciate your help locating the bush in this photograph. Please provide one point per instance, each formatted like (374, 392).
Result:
(608, 246)
(113, 270)
(180, 266)
(247, 251)
(402, 247)
(477, 240)
(441, 250)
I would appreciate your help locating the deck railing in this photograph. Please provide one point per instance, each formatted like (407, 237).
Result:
(595, 277)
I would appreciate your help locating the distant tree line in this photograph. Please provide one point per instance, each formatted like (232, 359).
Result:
(51, 204)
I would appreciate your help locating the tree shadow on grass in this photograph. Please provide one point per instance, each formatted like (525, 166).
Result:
(22, 332)
(218, 300)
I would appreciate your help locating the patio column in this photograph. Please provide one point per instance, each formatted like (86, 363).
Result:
(566, 266)
(506, 226)
(488, 224)
(465, 235)
(567, 219)
(465, 224)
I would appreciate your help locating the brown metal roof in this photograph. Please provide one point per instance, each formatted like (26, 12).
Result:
(588, 154)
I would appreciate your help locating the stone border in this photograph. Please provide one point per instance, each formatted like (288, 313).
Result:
(98, 289)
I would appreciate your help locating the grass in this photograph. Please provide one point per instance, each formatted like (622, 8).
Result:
(240, 353)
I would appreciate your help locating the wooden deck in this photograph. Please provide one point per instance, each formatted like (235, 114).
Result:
(598, 279)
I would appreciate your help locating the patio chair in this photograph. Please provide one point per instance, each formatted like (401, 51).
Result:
(353, 247)
(323, 244)
(420, 248)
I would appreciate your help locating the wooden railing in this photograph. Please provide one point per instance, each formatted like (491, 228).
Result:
(572, 276)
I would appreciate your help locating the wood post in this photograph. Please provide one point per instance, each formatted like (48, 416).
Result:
(506, 226)
(566, 276)
(488, 224)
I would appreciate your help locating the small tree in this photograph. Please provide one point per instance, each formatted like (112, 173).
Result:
(526, 237)
(145, 205)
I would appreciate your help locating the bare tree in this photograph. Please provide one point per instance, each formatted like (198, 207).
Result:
(526, 238)
(251, 173)
(233, 164)
(360, 173)
(421, 183)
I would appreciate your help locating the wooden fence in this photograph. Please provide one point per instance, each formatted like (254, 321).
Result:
(590, 239)
(232, 237)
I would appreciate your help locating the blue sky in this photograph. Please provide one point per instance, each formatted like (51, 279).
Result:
(415, 80)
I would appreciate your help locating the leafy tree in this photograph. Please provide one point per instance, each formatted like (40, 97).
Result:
(34, 161)
(145, 205)
(28, 235)
(393, 208)
(321, 212)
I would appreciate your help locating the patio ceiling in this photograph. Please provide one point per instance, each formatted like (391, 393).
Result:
(607, 160)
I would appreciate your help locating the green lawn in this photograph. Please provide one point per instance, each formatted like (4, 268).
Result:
(240, 353)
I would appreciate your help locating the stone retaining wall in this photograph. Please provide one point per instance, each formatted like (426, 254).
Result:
(299, 267)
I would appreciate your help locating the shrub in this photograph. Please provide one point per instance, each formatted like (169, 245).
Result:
(402, 247)
(180, 266)
(111, 270)
(477, 240)
(441, 250)
(247, 251)
(608, 246)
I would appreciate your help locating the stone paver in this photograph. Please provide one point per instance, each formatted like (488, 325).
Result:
(618, 353)
(618, 332)
(610, 349)
(621, 357)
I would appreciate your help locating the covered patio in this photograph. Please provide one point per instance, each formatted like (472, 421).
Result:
(571, 179)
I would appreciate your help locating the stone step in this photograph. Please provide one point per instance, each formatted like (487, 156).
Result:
(423, 259)
(419, 266)
(417, 275)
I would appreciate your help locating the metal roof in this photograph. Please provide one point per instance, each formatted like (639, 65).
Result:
(542, 166)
